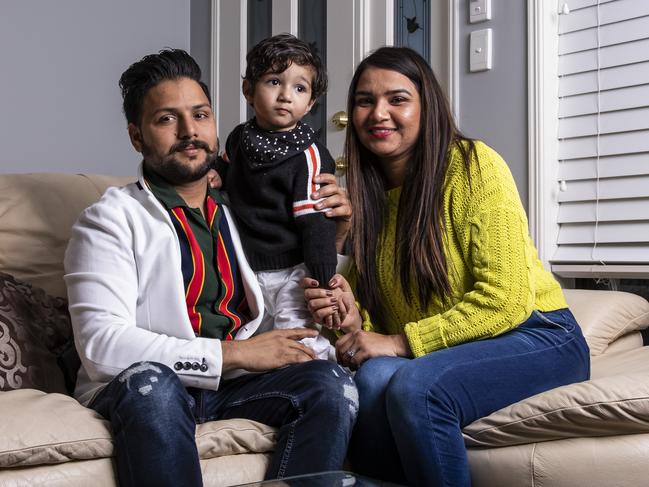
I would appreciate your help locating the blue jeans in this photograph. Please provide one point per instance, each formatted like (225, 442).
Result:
(153, 416)
(412, 411)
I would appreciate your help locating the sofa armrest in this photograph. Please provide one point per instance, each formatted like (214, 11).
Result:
(605, 316)
(614, 402)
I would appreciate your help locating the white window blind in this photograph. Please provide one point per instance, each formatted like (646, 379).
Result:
(603, 132)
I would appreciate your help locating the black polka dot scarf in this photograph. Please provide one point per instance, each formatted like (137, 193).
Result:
(266, 147)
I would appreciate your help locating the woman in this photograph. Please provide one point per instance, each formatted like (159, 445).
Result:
(457, 316)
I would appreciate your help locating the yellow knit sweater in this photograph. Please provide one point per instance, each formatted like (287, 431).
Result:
(496, 277)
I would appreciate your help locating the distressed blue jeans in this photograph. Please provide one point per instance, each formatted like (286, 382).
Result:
(153, 416)
(412, 411)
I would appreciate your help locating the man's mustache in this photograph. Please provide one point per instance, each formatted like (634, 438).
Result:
(198, 144)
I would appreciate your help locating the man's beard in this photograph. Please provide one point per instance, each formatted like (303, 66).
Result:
(175, 172)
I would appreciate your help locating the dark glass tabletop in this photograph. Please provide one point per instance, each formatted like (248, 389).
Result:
(324, 479)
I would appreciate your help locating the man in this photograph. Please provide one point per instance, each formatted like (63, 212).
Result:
(165, 308)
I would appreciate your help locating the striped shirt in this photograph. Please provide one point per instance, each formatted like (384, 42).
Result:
(214, 293)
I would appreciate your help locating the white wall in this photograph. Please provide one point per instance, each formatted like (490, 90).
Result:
(201, 39)
(60, 63)
(493, 104)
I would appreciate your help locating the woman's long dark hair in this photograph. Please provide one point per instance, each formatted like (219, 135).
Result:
(419, 243)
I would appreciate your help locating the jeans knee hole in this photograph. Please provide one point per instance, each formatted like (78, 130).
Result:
(141, 368)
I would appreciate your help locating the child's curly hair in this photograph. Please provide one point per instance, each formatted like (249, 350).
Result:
(277, 53)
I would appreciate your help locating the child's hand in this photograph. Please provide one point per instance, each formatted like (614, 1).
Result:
(347, 318)
(334, 308)
(213, 179)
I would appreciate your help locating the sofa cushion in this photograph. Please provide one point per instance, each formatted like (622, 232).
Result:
(39, 428)
(34, 327)
(605, 316)
(614, 402)
(233, 437)
(614, 461)
(95, 473)
(38, 211)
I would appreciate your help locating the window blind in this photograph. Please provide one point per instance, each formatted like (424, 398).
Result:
(603, 131)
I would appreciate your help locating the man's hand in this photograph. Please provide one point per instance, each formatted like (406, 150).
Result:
(336, 205)
(268, 351)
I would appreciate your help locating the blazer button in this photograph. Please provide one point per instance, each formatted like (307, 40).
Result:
(203, 368)
(195, 366)
(187, 366)
(178, 365)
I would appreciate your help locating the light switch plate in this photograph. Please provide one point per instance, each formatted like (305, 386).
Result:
(479, 10)
(480, 51)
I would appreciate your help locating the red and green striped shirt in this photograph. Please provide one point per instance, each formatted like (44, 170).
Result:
(214, 292)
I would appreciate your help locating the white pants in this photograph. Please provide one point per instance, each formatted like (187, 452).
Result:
(285, 307)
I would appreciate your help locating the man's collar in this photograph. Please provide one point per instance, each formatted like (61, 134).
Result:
(162, 190)
(166, 192)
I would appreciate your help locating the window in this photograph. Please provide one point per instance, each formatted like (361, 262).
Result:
(412, 25)
(601, 184)
(312, 28)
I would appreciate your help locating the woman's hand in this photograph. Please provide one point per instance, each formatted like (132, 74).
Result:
(355, 348)
(337, 205)
(335, 308)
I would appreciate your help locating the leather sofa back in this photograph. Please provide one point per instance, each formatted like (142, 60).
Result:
(36, 214)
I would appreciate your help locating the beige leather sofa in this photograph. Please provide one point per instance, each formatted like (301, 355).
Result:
(594, 433)
(50, 439)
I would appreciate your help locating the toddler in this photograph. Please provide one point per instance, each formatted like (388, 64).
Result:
(273, 159)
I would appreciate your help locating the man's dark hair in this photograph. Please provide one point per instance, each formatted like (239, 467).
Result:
(277, 53)
(140, 77)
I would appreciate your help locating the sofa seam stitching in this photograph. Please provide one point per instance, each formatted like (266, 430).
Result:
(533, 464)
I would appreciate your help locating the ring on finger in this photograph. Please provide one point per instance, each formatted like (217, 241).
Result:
(351, 353)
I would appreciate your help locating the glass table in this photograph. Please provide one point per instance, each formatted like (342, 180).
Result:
(324, 479)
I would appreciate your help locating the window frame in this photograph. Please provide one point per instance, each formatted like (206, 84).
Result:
(543, 110)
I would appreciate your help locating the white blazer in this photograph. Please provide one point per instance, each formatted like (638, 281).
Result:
(126, 293)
